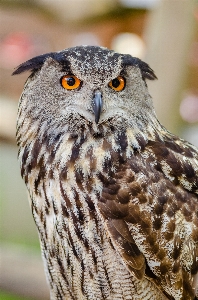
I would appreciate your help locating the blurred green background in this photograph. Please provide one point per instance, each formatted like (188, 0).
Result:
(164, 33)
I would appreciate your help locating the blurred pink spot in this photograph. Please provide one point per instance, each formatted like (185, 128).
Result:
(14, 49)
(189, 108)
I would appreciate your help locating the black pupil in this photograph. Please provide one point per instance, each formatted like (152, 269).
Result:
(71, 81)
(115, 82)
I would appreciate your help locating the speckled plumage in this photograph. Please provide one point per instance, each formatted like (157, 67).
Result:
(115, 203)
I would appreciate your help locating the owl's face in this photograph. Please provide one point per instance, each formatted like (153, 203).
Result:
(86, 86)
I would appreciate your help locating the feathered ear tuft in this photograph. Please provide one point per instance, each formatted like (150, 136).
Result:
(33, 64)
(147, 72)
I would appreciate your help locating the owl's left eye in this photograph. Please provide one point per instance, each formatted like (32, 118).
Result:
(70, 82)
(117, 84)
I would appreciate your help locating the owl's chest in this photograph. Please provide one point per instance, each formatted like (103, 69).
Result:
(76, 244)
(81, 258)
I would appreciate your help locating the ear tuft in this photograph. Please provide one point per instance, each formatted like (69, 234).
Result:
(147, 72)
(33, 64)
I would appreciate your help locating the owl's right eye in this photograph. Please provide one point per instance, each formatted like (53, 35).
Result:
(70, 82)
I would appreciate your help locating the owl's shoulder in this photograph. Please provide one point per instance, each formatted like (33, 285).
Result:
(177, 160)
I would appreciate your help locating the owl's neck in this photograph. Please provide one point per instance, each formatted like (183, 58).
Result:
(64, 144)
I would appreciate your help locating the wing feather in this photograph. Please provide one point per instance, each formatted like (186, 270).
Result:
(152, 217)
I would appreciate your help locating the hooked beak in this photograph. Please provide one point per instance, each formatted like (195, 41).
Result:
(97, 105)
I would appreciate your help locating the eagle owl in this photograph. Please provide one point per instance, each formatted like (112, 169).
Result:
(114, 195)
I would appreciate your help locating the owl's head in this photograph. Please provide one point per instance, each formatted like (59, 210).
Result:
(86, 86)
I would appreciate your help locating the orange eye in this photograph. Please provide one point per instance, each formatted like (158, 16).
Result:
(117, 84)
(70, 82)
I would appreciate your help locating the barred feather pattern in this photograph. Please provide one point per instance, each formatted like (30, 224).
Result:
(107, 211)
(115, 204)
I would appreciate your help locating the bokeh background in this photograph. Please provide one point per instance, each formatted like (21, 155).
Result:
(164, 33)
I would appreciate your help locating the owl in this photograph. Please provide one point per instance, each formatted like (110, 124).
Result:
(114, 195)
